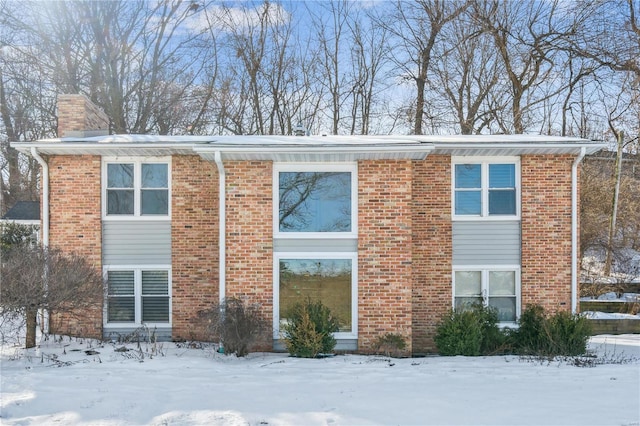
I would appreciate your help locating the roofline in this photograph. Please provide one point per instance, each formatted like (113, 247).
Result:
(269, 147)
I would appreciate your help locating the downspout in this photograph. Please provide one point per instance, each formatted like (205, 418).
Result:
(574, 230)
(222, 231)
(45, 220)
(45, 196)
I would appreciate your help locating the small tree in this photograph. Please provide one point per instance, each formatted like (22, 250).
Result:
(36, 277)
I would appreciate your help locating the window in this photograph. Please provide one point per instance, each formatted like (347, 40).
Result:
(315, 241)
(499, 289)
(484, 189)
(328, 278)
(138, 296)
(137, 188)
(316, 200)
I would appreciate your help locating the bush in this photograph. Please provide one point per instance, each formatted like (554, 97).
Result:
(568, 333)
(390, 344)
(471, 332)
(309, 328)
(530, 337)
(459, 334)
(235, 324)
(562, 334)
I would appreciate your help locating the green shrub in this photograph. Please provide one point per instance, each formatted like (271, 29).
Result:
(561, 334)
(568, 333)
(471, 332)
(460, 333)
(530, 336)
(309, 330)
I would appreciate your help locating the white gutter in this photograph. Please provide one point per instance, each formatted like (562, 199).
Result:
(574, 231)
(45, 196)
(222, 243)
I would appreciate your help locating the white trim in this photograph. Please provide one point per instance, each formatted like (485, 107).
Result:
(353, 256)
(222, 229)
(574, 231)
(484, 277)
(484, 163)
(315, 167)
(45, 197)
(137, 289)
(137, 187)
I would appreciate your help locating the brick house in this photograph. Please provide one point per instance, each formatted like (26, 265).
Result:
(390, 232)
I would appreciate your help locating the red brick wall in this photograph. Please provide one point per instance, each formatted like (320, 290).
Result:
(546, 231)
(432, 248)
(250, 234)
(75, 227)
(194, 243)
(384, 251)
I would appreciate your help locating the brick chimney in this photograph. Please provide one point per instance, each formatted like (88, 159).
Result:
(79, 117)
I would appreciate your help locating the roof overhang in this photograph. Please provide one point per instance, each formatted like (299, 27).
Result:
(312, 148)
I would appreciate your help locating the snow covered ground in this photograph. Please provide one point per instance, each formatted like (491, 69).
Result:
(76, 382)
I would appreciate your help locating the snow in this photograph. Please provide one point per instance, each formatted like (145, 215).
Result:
(173, 384)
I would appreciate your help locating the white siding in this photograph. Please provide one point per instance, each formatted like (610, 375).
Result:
(136, 242)
(486, 243)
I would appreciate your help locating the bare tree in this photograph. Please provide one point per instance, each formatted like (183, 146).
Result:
(417, 27)
(36, 278)
(527, 36)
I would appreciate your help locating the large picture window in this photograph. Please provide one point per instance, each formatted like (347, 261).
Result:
(485, 189)
(136, 188)
(314, 200)
(138, 296)
(499, 288)
(328, 279)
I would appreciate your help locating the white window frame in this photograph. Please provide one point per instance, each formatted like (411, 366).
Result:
(137, 294)
(484, 278)
(137, 187)
(353, 256)
(315, 167)
(484, 163)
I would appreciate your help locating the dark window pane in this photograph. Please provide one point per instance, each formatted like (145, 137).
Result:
(155, 309)
(502, 201)
(120, 201)
(464, 303)
(121, 309)
(324, 280)
(155, 282)
(154, 201)
(468, 176)
(502, 176)
(315, 201)
(506, 307)
(120, 283)
(119, 175)
(155, 176)
(468, 202)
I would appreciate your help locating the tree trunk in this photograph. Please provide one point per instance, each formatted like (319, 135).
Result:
(32, 325)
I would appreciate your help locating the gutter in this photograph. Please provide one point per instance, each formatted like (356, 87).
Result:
(222, 243)
(574, 230)
(45, 195)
